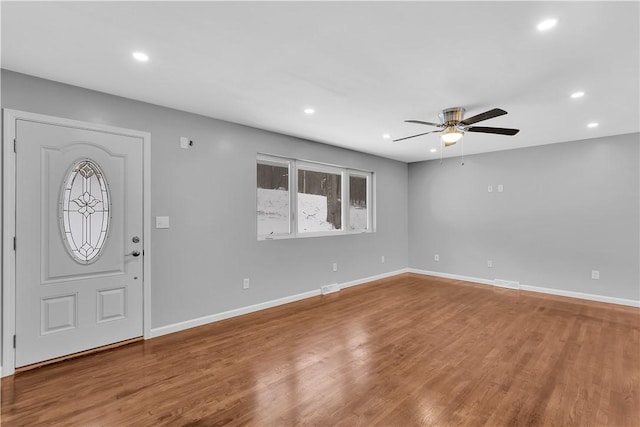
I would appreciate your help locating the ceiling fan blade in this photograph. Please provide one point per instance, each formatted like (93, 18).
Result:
(499, 131)
(413, 136)
(496, 112)
(424, 123)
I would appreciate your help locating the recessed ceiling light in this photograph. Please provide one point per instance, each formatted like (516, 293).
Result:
(433, 150)
(386, 136)
(141, 56)
(577, 94)
(547, 24)
(309, 111)
(592, 125)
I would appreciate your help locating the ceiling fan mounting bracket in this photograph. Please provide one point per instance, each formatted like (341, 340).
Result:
(451, 116)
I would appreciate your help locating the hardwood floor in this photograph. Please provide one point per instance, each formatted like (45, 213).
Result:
(404, 351)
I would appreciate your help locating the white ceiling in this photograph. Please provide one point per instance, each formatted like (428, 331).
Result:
(364, 66)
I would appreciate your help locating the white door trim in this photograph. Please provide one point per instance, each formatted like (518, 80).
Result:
(9, 221)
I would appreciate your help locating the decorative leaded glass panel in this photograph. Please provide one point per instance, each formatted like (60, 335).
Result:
(85, 212)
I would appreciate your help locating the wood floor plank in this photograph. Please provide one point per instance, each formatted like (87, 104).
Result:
(402, 351)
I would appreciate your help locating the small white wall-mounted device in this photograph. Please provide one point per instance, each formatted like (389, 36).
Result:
(162, 222)
(185, 142)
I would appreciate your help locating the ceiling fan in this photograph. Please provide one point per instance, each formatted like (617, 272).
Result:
(453, 126)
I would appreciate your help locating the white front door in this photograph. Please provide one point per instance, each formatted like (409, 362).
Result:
(79, 224)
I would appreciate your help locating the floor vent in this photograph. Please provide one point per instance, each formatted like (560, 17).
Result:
(329, 289)
(510, 284)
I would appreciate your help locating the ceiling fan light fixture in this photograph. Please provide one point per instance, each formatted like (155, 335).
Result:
(451, 135)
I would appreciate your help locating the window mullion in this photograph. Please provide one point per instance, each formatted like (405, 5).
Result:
(369, 204)
(346, 201)
(293, 185)
(371, 201)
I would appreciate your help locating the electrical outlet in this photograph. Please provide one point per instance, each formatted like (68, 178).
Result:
(500, 188)
(335, 266)
(382, 259)
(595, 274)
(245, 284)
(436, 257)
(490, 264)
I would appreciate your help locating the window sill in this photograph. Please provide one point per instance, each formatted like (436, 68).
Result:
(310, 235)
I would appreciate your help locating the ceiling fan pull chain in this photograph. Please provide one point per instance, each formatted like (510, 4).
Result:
(462, 152)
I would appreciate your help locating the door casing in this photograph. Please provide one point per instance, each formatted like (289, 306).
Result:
(9, 221)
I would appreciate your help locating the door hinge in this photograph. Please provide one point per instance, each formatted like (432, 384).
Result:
(14, 243)
(14, 341)
(14, 145)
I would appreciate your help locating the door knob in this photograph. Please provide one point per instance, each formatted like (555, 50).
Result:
(134, 253)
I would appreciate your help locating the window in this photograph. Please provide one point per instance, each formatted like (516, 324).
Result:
(273, 198)
(358, 201)
(319, 199)
(327, 200)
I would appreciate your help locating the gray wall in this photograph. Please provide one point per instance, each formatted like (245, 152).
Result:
(566, 209)
(209, 193)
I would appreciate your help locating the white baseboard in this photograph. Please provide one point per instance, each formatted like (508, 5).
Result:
(581, 295)
(180, 326)
(543, 290)
(451, 276)
(187, 324)
(509, 284)
(329, 289)
(373, 278)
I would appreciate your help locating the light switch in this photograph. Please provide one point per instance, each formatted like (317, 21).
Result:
(500, 188)
(489, 188)
(162, 222)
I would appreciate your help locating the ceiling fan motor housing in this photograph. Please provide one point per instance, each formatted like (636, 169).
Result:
(451, 116)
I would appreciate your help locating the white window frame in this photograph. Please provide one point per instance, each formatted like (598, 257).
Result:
(280, 162)
(344, 172)
(322, 168)
(369, 185)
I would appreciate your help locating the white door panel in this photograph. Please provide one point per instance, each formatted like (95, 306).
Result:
(69, 301)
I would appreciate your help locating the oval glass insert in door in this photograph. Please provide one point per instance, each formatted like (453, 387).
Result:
(85, 211)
